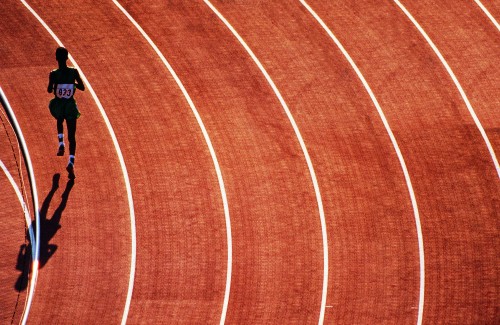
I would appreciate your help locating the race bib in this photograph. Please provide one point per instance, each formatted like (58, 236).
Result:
(65, 90)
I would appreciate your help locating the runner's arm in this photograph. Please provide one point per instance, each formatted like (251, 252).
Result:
(50, 87)
(79, 83)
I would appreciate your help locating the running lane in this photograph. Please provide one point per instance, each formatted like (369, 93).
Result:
(277, 243)
(455, 181)
(13, 241)
(85, 226)
(14, 263)
(181, 234)
(369, 215)
(493, 7)
(470, 43)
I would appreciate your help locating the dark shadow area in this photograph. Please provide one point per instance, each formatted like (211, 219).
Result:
(49, 228)
(23, 263)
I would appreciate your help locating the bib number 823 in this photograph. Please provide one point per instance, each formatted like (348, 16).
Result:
(65, 90)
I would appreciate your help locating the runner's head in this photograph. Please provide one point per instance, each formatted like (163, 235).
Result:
(61, 54)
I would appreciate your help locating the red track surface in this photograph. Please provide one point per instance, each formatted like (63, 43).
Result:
(277, 248)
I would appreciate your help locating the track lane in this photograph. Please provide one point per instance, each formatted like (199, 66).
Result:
(337, 116)
(493, 8)
(471, 49)
(213, 155)
(441, 211)
(265, 173)
(303, 147)
(457, 189)
(176, 195)
(13, 242)
(73, 259)
(457, 84)
(471, 44)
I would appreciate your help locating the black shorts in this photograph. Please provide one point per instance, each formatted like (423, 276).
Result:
(62, 108)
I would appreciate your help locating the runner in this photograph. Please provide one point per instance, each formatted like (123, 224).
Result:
(63, 82)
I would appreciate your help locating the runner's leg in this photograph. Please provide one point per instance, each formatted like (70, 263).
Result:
(60, 128)
(71, 124)
(60, 136)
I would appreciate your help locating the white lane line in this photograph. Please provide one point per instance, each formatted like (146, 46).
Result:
(120, 157)
(34, 258)
(35, 245)
(20, 166)
(29, 225)
(304, 150)
(490, 16)
(23, 205)
(457, 84)
(398, 152)
(212, 153)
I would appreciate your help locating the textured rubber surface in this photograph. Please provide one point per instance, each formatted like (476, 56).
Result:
(277, 251)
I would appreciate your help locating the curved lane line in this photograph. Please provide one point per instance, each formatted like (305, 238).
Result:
(304, 150)
(35, 245)
(457, 84)
(20, 166)
(490, 16)
(212, 153)
(398, 152)
(29, 224)
(120, 157)
(23, 204)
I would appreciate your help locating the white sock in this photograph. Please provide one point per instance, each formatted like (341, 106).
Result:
(60, 136)
(72, 159)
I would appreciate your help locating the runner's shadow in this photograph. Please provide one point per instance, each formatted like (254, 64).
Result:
(49, 228)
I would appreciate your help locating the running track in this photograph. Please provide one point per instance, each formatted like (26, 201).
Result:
(270, 184)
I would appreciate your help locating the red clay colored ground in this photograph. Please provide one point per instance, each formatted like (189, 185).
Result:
(277, 234)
